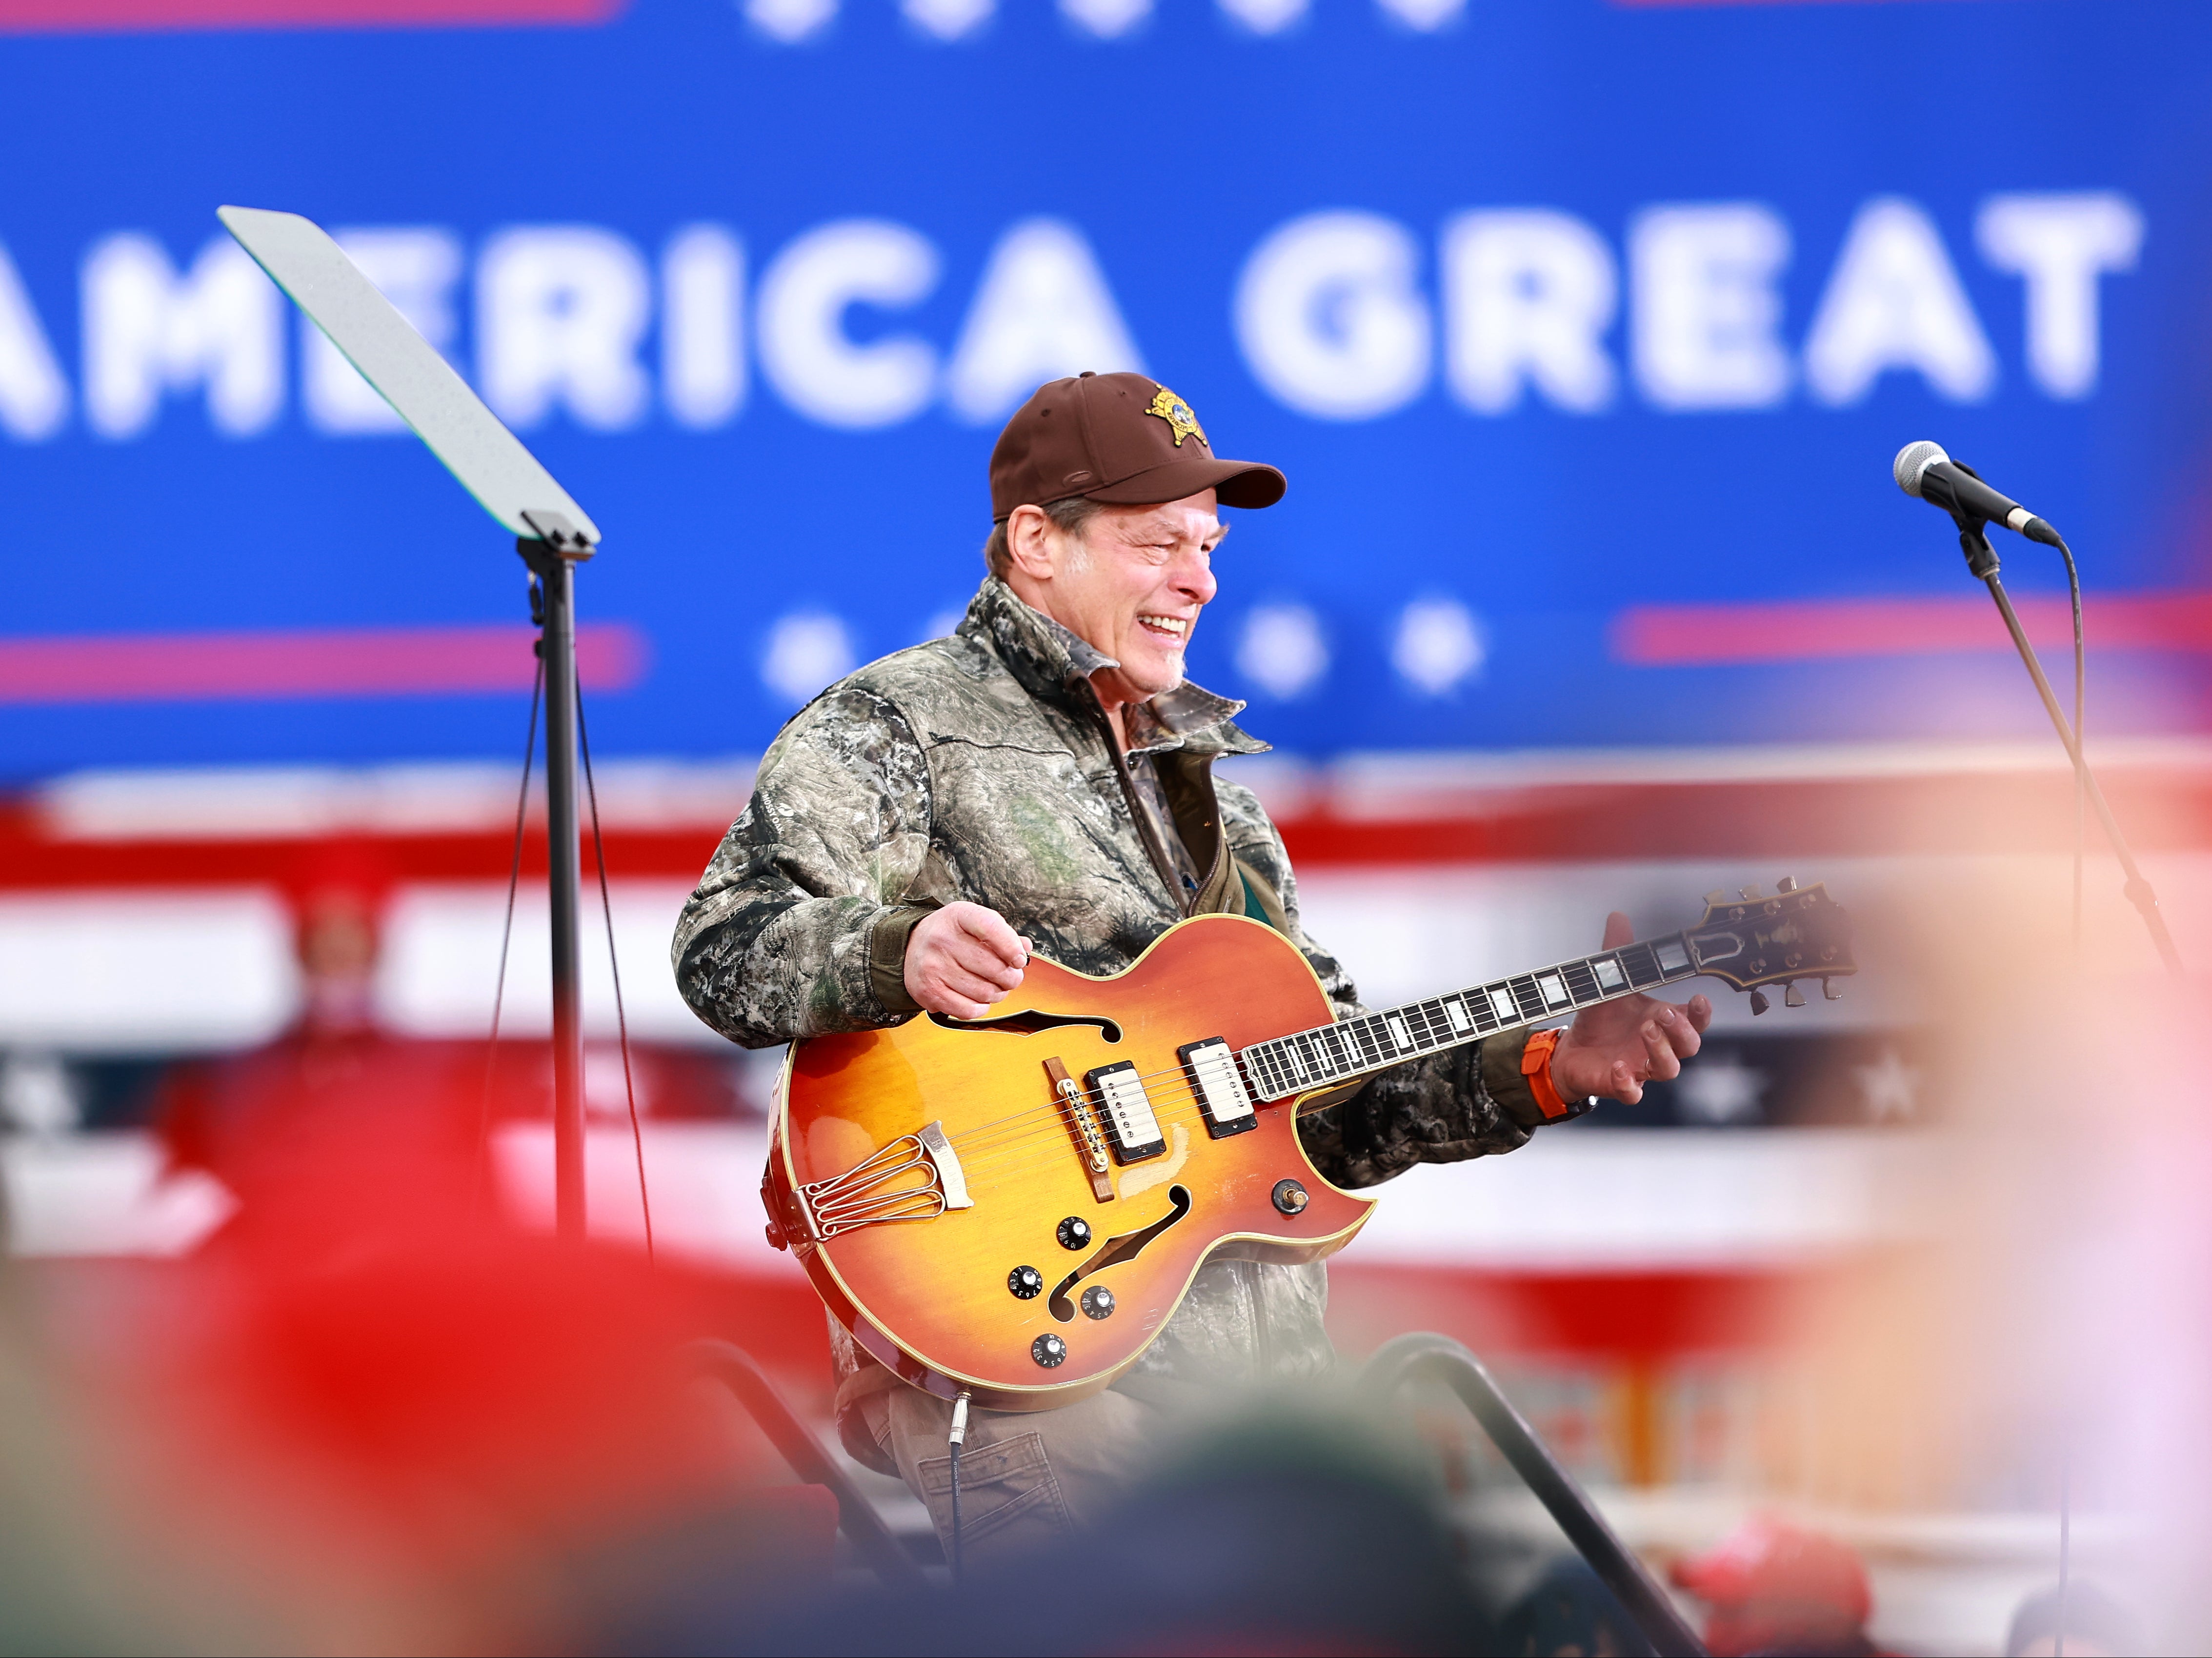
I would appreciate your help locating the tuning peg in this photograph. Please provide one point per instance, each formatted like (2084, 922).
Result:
(1717, 895)
(1787, 883)
(1758, 1003)
(1829, 992)
(1751, 892)
(1793, 997)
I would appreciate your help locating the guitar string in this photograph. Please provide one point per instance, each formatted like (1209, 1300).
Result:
(990, 1140)
(1474, 998)
(1023, 1145)
(1017, 1126)
(987, 1146)
(1095, 1095)
(983, 1136)
(1016, 1130)
(1018, 1133)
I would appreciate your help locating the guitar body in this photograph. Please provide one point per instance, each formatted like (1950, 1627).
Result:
(941, 1297)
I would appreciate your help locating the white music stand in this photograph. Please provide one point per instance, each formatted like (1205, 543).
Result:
(553, 534)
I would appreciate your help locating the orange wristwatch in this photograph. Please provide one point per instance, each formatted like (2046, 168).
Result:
(1536, 1066)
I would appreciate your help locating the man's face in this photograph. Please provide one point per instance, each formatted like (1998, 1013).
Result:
(1134, 588)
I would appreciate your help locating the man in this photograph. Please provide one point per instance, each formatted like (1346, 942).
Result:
(1043, 779)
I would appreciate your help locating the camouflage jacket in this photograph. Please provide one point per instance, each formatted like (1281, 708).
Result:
(981, 767)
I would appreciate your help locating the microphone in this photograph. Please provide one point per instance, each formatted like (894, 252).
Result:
(1923, 470)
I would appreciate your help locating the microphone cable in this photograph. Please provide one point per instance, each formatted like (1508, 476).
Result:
(2080, 850)
(2080, 743)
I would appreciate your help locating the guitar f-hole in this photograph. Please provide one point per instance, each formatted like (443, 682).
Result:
(1029, 1023)
(1126, 1246)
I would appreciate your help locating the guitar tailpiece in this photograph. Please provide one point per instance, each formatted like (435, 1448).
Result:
(863, 1195)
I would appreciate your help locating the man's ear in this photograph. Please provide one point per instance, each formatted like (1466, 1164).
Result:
(1030, 542)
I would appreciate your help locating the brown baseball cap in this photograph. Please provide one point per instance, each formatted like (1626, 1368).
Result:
(1125, 440)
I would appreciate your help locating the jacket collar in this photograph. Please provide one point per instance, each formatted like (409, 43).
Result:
(1055, 665)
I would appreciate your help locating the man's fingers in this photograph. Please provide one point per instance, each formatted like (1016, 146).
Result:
(1681, 1032)
(989, 928)
(1618, 931)
(1701, 1013)
(939, 999)
(979, 960)
(970, 987)
(1662, 1065)
(1626, 1088)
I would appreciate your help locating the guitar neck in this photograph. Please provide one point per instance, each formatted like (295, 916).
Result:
(1330, 1053)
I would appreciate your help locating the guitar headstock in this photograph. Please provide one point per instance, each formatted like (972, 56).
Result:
(1753, 940)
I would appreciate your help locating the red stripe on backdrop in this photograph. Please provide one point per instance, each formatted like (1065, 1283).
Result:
(329, 663)
(109, 16)
(1685, 635)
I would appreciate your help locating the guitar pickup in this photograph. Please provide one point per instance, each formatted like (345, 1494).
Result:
(1221, 1094)
(1132, 1131)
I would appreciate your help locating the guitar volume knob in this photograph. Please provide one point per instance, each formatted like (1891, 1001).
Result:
(1026, 1282)
(1098, 1302)
(1074, 1232)
(1050, 1351)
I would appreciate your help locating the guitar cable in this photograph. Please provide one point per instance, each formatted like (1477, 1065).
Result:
(955, 1440)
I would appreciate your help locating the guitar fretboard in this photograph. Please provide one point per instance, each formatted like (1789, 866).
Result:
(1284, 1065)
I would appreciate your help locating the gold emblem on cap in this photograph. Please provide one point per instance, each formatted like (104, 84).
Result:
(1176, 413)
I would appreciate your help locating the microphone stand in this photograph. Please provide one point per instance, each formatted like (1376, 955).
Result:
(552, 555)
(1982, 560)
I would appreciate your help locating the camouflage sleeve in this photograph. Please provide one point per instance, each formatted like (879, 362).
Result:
(799, 925)
(1464, 1102)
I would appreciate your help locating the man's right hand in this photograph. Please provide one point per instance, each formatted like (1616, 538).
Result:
(961, 958)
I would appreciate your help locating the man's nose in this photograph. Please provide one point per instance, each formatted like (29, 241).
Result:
(1194, 578)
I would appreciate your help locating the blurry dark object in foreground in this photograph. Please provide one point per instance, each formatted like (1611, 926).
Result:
(1280, 1538)
(2097, 1625)
(1568, 1612)
(1778, 1589)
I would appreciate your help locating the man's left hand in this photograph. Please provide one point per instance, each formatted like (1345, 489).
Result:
(1612, 1050)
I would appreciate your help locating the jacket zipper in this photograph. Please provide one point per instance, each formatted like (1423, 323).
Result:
(1145, 831)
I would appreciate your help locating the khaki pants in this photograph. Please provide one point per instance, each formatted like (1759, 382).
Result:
(1027, 1479)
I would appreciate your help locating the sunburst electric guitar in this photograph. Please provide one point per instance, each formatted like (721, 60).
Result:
(1016, 1205)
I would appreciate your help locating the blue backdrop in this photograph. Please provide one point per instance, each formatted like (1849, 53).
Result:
(1549, 309)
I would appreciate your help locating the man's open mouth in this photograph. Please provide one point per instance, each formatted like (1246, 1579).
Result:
(1173, 626)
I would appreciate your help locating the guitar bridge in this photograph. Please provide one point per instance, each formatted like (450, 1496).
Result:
(869, 1193)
